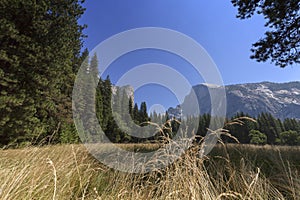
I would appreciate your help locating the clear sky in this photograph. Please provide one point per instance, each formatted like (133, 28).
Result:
(211, 23)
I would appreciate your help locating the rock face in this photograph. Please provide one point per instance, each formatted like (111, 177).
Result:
(175, 112)
(282, 100)
(128, 89)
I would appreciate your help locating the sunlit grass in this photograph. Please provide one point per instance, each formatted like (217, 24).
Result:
(229, 172)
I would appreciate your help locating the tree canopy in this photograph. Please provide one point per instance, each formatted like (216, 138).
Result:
(281, 43)
(40, 43)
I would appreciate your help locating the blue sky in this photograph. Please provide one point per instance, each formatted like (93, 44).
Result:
(211, 23)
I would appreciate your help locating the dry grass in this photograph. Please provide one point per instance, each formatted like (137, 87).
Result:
(53, 172)
(69, 172)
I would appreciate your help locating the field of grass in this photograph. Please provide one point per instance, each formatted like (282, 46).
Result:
(228, 172)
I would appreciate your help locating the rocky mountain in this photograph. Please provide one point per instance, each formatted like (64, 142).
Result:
(282, 100)
(127, 88)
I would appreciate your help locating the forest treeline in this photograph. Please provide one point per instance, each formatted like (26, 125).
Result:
(266, 129)
(40, 56)
(121, 119)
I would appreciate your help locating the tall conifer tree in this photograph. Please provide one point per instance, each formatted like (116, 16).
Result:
(40, 48)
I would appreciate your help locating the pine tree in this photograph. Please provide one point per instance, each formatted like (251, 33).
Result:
(99, 102)
(130, 107)
(167, 117)
(143, 113)
(267, 125)
(69, 134)
(86, 99)
(242, 131)
(291, 124)
(204, 121)
(107, 122)
(136, 116)
(40, 46)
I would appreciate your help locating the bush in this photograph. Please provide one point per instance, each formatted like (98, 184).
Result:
(289, 138)
(257, 137)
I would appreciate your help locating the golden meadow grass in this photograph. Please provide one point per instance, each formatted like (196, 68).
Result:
(229, 172)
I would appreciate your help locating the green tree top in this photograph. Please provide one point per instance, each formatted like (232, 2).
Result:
(281, 42)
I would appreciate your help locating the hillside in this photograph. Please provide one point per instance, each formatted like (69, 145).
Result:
(282, 100)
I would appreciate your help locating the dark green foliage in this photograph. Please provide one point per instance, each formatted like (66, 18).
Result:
(281, 43)
(39, 55)
(204, 121)
(130, 107)
(89, 99)
(68, 134)
(167, 116)
(241, 130)
(270, 126)
(136, 113)
(257, 137)
(99, 103)
(291, 124)
(107, 109)
(264, 129)
(108, 125)
(289, 138)
(143, 115)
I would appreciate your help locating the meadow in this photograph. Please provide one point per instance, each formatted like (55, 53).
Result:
(231, 171)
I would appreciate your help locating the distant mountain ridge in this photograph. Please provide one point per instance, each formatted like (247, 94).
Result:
(282, 100)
